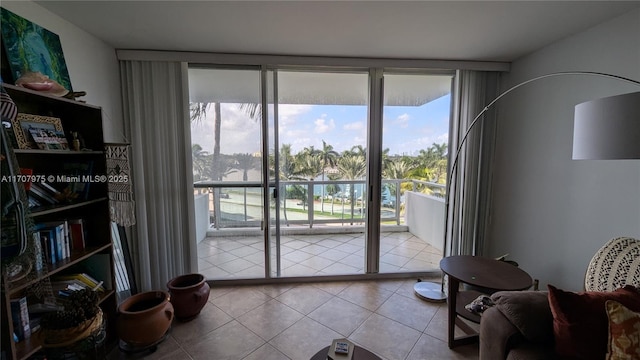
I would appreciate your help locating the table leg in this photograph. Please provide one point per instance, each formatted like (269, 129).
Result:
(454, 286)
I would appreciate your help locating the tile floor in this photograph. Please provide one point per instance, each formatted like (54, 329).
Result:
(237, 257)
(294, 321)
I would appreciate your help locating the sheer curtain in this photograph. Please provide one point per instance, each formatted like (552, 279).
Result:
(468, 196)
(156, 117)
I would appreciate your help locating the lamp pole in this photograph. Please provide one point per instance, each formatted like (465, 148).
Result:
(435, 291)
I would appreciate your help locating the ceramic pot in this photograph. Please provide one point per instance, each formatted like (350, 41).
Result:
(189, 294)
(143, 319)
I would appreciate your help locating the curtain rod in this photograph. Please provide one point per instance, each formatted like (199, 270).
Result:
(249, 59)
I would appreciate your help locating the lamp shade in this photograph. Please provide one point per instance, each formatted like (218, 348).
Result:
(607, 128)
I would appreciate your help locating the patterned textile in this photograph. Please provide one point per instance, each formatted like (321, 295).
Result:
(8, 108)
(624, 332)
(616, 264)
(121, 203)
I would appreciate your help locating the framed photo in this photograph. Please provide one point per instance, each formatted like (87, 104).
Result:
(39, 132)
(32, 48)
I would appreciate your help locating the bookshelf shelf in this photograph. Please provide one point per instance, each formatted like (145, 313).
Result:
(58, 208)
(90, 210)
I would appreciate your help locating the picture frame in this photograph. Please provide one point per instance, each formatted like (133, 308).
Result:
(39, 132)
(32, 48)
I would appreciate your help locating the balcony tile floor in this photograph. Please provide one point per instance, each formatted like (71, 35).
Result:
(237, 257)
(294, 321)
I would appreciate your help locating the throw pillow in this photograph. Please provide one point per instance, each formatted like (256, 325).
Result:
(580, 323)
(529, 312)
(624, 332)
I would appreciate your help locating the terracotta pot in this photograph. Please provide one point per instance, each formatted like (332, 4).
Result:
(143, 319)
(189, 294)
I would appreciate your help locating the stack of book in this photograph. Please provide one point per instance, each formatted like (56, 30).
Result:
(55, 240)
(42, 194)
(20, 317)
(65, 284)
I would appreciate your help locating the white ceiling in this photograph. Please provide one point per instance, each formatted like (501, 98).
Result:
(450, 30)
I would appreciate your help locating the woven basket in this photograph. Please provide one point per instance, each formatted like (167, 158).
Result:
(66, 337)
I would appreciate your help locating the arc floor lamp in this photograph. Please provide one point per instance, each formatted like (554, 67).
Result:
(606, 128)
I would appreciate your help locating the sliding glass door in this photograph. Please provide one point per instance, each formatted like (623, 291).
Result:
(320, 125)
(416, 116)
(318, 172)
(226, 136)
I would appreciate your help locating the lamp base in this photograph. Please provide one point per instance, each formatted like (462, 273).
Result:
(430, 291)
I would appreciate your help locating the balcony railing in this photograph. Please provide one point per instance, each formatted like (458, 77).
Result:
(240, 204)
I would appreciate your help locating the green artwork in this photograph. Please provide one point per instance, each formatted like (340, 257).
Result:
(30, 47)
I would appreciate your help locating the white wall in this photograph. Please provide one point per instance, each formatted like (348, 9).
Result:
(551, 213)
(92, 64)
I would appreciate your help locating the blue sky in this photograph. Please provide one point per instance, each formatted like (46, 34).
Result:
(406, 129)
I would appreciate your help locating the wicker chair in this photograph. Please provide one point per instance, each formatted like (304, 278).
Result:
(615, 265)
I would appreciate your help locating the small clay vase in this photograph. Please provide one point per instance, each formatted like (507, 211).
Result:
(143, 319)
(189, 294)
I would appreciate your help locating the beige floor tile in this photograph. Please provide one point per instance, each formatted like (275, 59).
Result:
(270, 319)
(392, 259)
(303, 339)
(267, 352)
(274, 290)
(240, 301)
(430, 348)
(235, 265)
(386, 337)
(209, 319)
(365, 294)
(244, 251)
(411, 312)
(304, 298)
(231, 341)
(220, 258)
(340, 315)
(332, 287)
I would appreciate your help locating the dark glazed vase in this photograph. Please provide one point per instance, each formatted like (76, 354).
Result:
(143, 319)
(189, 294)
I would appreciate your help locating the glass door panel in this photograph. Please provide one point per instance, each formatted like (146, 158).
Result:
(321, 131)
(416, 116)
(226, 136)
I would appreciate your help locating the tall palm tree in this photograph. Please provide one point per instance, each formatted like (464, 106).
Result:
(198, 158)
(352, 167)
(245, 163)
(328, 157)
(308, 164)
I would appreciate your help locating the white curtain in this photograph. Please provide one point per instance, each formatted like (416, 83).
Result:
(467, 213)
(156, 116)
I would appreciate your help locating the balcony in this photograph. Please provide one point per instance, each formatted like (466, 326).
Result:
(320, 235)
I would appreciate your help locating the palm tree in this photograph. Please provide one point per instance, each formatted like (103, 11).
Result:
(328, 157)
(286, 172)
(308, 164)
(352, 167)
(198, 158)
(244, 163)
(333, 189)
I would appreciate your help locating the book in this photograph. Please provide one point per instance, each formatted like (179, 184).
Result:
(61, 234)
(77, 171)
(42, 195)
(76, 233)
(29, 172)
(48, 237)
(20, 318)
(83, 278)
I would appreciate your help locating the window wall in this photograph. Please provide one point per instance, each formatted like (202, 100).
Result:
(334, 159)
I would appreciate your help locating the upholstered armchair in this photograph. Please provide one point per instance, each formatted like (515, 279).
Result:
(561, 324)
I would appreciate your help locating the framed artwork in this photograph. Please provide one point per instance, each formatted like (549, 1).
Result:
(39, 132)
(32, 48)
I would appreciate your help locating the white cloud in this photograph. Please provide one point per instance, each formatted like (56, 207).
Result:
(402, 121)
(354, 126)
(323, 126)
